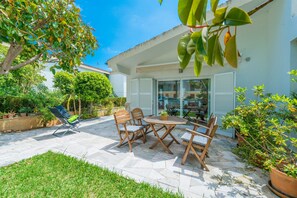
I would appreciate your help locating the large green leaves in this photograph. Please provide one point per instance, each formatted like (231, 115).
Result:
(231, 52)
(236, 17)
(183, 56)
(219, 16)
(192, 11)
(197, 65)
(214, 5)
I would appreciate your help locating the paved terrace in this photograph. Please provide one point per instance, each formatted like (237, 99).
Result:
(97, 144)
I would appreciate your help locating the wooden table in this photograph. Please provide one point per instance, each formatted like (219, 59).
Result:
(169, 125)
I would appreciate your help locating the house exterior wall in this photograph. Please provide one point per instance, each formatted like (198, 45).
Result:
(266, 52)
(119, 84)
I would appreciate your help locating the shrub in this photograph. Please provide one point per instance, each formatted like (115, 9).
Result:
(266, 125)
(92, 87)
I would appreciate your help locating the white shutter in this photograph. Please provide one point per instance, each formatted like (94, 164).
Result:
(142, 95)
(146, 95)
(134, 94)
(224, 98)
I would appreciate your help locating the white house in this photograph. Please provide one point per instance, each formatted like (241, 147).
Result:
(118, 81)
(268, 50)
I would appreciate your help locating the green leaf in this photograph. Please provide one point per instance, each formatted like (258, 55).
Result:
(236, 17)
(211, 50)
(160, 1)
(191, 47)
(231, 52)
(219, 53)
(191, 11)
(197, 67)
(219, 16)
(183, 56)
(214, 5)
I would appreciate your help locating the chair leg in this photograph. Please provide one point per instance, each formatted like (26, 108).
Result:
(199, 159)
(58, 129)
(143, 136)
(122, 139)
(186, 153)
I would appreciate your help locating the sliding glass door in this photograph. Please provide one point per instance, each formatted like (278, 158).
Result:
(196, 98)
(185, 98)
(169, 96)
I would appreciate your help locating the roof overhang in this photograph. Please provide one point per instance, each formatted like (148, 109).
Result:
(160, 51)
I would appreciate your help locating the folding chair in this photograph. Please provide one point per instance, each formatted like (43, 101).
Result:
(67, 121)
(193, 140)
(205, 128)
(138, 116)
(123, 123)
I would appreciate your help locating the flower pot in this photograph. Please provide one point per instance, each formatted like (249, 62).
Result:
(240, 139)
(164, 117)
(283, 183)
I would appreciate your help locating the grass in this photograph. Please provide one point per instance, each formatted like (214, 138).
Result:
(57, 175)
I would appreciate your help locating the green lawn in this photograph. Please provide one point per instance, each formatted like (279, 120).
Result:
(57, 175)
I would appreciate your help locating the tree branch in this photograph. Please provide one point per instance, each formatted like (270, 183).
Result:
(31, 60)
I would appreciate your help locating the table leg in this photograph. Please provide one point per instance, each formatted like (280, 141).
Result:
(160, 139)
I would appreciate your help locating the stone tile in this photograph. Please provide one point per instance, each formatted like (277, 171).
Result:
(97, 144)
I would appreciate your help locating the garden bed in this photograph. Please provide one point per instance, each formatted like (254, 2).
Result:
(24, 123)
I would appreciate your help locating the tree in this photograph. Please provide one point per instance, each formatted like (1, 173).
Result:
(203, 40)
(41, 29)
(64, 81)
(91, 87)
(20, 81)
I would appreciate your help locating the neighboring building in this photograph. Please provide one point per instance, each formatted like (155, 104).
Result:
(83, 68)
(268, 48)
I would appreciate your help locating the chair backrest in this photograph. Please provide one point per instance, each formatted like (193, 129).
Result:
(121, 117)
(58, 114)
(212, 133)
(211, 123)
(137, 116)
(63, 111)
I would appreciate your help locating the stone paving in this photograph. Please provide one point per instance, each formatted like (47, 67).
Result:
(97, 144)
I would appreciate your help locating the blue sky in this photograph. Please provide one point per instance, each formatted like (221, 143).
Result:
(122, 24)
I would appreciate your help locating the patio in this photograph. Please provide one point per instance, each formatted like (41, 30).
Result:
(228, 177)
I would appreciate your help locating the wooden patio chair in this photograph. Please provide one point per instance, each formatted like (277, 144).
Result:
(138, 116)
(193, 141)
(205, 128)
(126, 130)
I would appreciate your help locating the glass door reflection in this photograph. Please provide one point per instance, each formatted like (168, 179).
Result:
(169, 97)
(196, 98)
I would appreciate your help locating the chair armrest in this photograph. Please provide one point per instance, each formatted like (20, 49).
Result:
(200, 134)
(199, 125)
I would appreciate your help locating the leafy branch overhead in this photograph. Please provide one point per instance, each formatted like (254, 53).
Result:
(202, 43)
(41, 29)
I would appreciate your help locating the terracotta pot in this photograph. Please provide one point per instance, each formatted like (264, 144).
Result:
(164, 117)
(283, 183)
(240, 139)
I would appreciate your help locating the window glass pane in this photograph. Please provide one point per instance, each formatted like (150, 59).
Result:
(168, 96)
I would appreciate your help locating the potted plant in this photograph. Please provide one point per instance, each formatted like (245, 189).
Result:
(164, 115)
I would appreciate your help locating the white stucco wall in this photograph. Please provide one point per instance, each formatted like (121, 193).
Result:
(266, 52)
(119, 84)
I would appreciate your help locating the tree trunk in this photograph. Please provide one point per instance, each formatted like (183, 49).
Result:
(74, 105)
(68, 103)
(79, 106)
